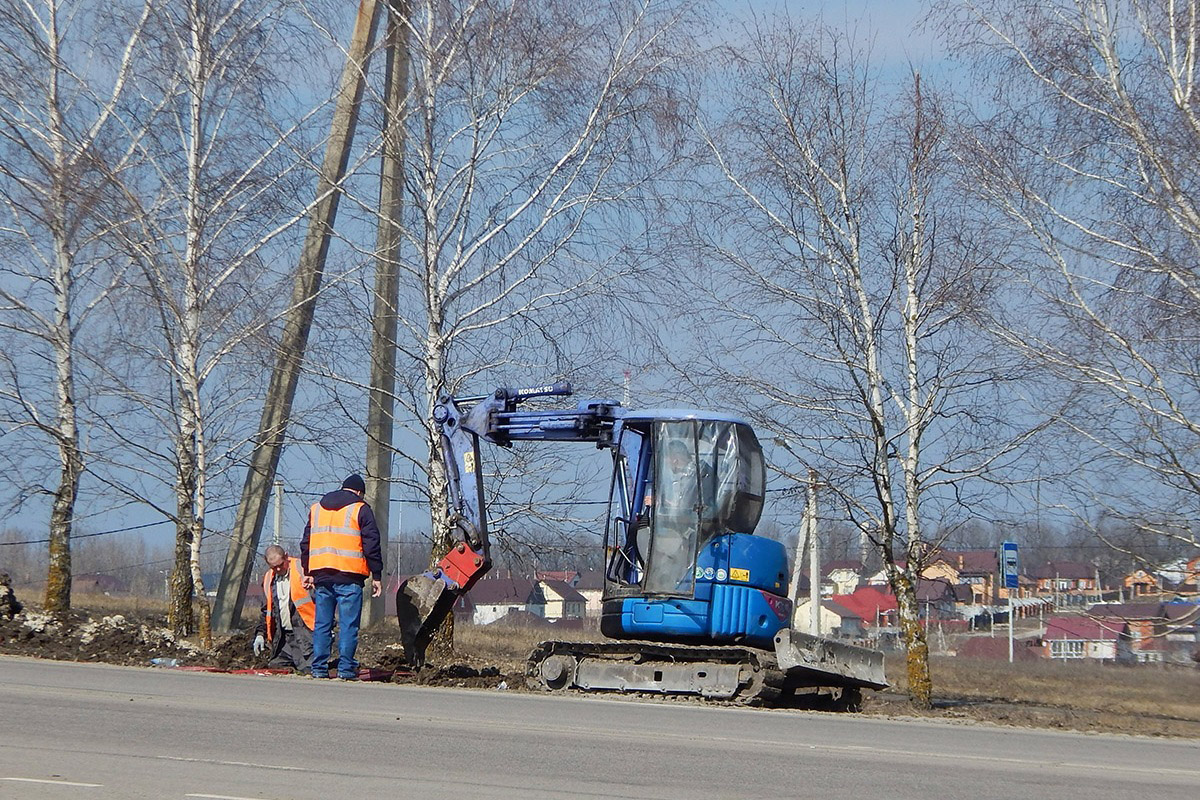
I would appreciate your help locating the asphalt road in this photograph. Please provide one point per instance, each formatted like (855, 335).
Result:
(84, 731)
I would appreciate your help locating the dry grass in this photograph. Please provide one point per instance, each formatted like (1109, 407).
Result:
(512, 642)
(115, 604)
(1155, 700)
(1149, 689)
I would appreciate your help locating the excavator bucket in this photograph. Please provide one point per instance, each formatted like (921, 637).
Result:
(422, 603)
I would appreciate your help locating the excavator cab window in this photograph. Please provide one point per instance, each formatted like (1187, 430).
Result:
(627, 536)
(677, 484)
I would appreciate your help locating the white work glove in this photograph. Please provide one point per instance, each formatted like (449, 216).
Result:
(260, 644)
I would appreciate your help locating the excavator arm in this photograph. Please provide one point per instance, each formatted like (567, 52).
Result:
(423, 601)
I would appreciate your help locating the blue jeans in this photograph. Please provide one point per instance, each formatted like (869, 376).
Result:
(347, 598)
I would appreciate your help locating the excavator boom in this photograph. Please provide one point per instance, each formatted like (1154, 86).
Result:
(424, 600)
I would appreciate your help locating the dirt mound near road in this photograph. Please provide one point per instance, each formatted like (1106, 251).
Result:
(142, 639)
(112, 639)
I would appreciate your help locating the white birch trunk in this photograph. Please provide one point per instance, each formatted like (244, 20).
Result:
(58, 579)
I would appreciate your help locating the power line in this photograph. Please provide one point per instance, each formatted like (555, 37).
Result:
(117, 530)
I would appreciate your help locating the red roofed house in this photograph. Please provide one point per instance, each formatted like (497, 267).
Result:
(1082, 637)
(1147, 625)
(568, 576)
(876, 608)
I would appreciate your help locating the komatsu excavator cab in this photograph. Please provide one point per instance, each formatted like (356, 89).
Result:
(682, 562)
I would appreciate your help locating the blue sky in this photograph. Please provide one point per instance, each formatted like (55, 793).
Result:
(891, 28)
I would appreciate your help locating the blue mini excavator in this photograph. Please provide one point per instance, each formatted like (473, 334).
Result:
(694, 602)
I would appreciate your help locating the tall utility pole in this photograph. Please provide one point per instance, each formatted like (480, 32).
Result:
(278, 537)
(798, 567)
(381, 400)
(814, 557)
(277, 408)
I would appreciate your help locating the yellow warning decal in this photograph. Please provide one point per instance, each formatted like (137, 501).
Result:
(469, 461)
(736, 574)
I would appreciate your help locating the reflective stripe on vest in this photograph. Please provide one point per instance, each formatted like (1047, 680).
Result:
(335, 540)
(300, 599)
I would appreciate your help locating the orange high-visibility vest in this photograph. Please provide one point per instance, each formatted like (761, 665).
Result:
(300, 599)
(335, 540)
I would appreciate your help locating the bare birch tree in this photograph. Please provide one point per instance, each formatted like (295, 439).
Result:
(1087, 148)
(847, 294)
(66, 72)
(214, 205)
(527, 126)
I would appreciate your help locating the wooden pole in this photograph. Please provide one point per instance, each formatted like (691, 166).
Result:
(277, 408)
(814, 558)
(381, 400)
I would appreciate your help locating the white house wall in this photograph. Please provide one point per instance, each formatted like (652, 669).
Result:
(485, 614)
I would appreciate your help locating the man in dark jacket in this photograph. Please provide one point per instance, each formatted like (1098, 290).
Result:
(339, 550)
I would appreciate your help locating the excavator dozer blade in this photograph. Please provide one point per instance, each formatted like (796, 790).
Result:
(422, 603)
(817, 661)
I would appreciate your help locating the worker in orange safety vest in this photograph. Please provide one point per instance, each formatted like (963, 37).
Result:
(288, 613)
(339, 551)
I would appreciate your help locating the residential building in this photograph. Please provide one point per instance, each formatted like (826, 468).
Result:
(1065, 578)
(591, 586)
(494, 598)
(1144, 623)
(834, 620)
(842, 576)
(874, 607)
(560, 601)
(1184, 576)
(1142, 583)
(936, 600)
(1182, 631)
(1073, 638)
(568, 576)
(976, 568)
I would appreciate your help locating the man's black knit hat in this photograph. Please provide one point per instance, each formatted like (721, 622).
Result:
(355, 483)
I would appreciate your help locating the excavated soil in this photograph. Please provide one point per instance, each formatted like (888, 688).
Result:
(144, 640)
(112, 639)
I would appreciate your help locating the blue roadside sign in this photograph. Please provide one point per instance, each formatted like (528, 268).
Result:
(1008, 564)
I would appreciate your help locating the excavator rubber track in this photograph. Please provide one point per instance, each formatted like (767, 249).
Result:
(734, 674)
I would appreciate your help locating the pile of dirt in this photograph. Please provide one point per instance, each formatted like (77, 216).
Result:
(378, 650)
(467, 675)
(144, 640)
(235, 652)
(112, 639)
